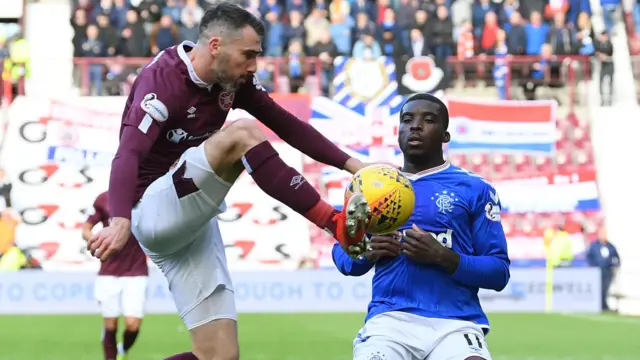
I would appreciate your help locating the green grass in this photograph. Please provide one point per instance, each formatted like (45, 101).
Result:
(320, 337)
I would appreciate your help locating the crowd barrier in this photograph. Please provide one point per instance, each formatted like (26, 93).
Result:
(318, 291)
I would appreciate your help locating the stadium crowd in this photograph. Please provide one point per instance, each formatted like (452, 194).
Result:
(325, 29)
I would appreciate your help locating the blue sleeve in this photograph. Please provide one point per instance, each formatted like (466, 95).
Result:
(590, 256)
(488, 267)
(615, 258)
(348, 266)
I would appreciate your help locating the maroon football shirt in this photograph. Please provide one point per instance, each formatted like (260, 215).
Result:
(170, 110)
(131, 261)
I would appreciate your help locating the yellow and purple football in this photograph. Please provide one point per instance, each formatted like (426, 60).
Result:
(389, 194)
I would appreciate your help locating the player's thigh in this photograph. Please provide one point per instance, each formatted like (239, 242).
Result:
(381, 348)
(465, 344)
(213, 326)
(134, 295)
(195, 271)
(178, 205)
(107, 291)
(224, 150)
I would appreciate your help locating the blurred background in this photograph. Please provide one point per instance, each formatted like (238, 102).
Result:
(543, 100)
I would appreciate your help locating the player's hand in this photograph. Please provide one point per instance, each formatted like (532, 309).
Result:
(382, 246)
(422, 247)
(110, 239)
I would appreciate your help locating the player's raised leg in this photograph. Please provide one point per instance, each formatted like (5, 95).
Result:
(243, 144)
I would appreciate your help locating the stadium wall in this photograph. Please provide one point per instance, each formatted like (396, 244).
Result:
(327, 291)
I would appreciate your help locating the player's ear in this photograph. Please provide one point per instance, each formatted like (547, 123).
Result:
(446, 137)
(214, 46)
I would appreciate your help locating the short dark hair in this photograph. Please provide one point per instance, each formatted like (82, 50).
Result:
(443, 112)
(229, 16)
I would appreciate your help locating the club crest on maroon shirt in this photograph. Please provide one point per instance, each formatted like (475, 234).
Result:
(226, 100)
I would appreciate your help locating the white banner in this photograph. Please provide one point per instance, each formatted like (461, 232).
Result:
(35, 292)
(58, 156)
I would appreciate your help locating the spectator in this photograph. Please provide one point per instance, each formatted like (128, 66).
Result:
(193, 10)
(604, 255)
(389, 45)
(79, 25)
(339, 8)
(383, 5)
(528, 7)
(419, 46)
(86, 5)
(163, 35)
(404, 19)
(341, 26)
(584, 35)
(388, 21)
(93, 47)
(295, 29)
(442, 32)
(500, 69)
(489, 32)
(536, 32)
(466, 43)
(150, 13)
(364, 6)
(295, 67)
(253, 7)
(364, 25)
(119, 14)
(173, 10)
(609, 8)
(508, 8)
(575, 8)
(366, 48)
(555, 7)
(271, 6)
(264, 72)
(604, 52)
(480, 10)
(119, 78)
(539, 71)
(299, 6)
(316, 26)
(189, 30)
(636, 16)
(132, 42)
(460, 14)
(560, 37)
(104, 7)
(274, 38)
(421, 24)
(516, 36)
(108, 34)
(326, 51)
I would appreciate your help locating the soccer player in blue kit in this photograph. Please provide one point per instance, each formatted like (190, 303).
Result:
(425, 289)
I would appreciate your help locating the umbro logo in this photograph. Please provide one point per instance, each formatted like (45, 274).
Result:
(297, 181)
(192, 112)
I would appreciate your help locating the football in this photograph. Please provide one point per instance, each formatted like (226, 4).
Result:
(389, 194)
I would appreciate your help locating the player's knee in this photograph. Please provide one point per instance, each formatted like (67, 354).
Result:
(110, 324)
(132, 324)
(240, 136)
(474, 357)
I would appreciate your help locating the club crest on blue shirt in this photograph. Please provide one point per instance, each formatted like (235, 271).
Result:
(445, 201)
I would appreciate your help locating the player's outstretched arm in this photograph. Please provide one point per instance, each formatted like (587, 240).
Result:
(347, 265)
(488, 268)
(142, 123)
(292, 130)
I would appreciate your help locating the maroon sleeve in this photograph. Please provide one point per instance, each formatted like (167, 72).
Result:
(96, 213)
(297, 133)
(144, 117)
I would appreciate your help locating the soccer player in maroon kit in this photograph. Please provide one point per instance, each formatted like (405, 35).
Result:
(175, 111)
(121, 286)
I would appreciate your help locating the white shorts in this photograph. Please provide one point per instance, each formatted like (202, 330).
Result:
(402, 336)
(121, 295)
(175, 224)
